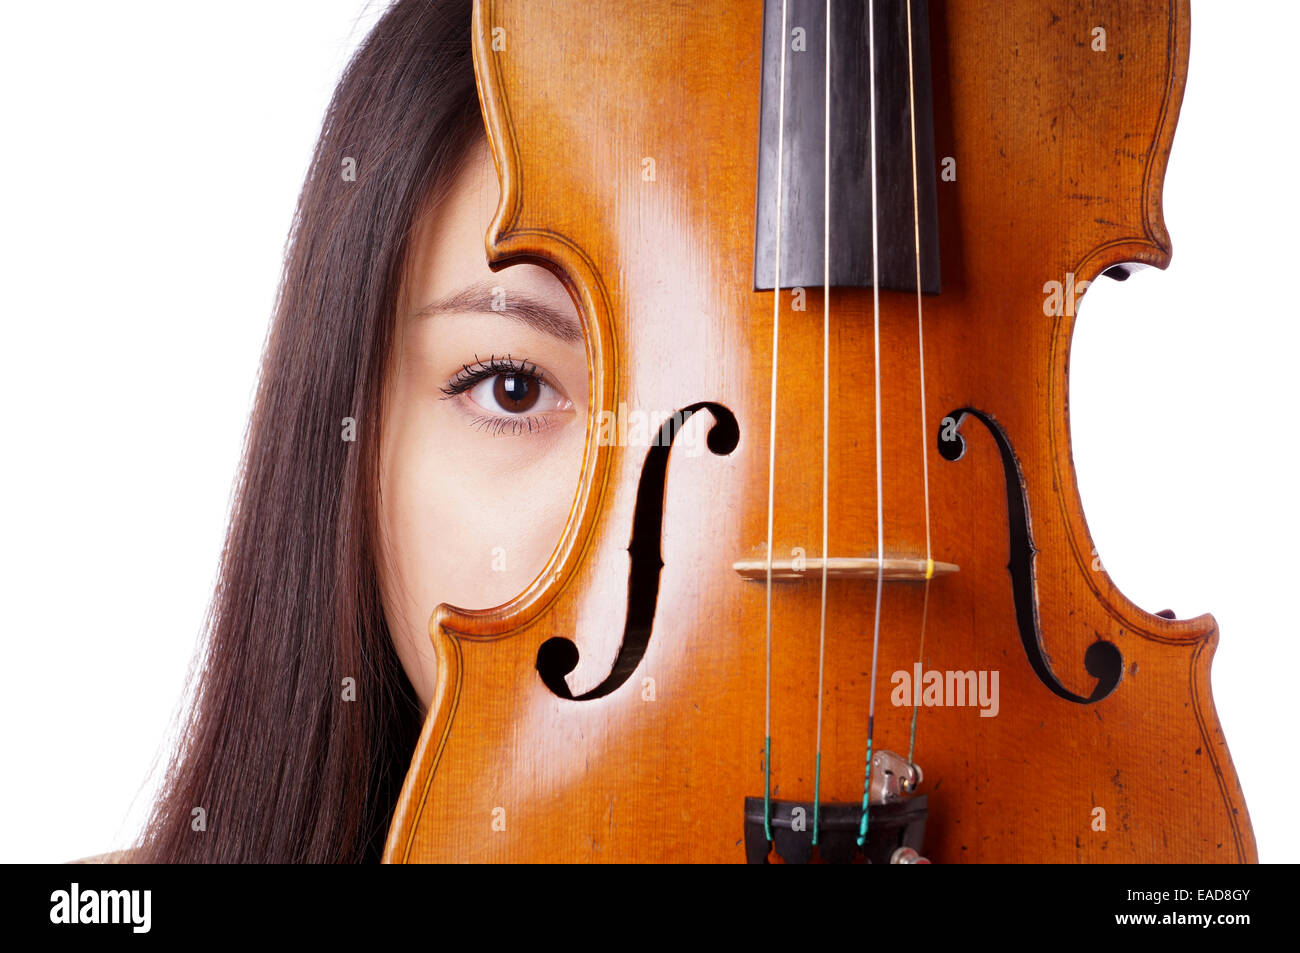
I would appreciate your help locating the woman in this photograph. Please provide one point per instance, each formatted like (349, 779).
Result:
(411, 405)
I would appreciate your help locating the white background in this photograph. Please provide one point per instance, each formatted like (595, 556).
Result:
(151, 155)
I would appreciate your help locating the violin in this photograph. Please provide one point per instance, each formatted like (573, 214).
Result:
(842, 605)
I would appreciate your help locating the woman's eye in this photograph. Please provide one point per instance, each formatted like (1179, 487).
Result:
(517, 393)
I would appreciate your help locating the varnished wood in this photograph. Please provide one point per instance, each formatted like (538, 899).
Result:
(1060, 153)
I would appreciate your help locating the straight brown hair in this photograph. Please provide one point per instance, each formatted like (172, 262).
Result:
(284, 768)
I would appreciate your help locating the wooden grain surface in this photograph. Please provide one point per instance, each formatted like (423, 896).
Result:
(1060, 154)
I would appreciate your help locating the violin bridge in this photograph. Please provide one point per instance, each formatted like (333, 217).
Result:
(895, 569)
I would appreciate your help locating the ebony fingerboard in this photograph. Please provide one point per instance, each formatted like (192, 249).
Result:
(803, 171)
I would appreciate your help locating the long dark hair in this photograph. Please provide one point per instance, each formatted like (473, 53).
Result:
(283, 767)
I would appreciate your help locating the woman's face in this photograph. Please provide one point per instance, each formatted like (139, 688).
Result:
(483, 425)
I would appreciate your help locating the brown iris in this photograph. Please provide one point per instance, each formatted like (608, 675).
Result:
(516, 393)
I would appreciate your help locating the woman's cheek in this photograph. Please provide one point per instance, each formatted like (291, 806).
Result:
(497, 505)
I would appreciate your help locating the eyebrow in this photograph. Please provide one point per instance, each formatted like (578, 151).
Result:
(517, 305)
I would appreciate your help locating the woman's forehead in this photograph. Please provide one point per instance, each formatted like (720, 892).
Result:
(448, 264)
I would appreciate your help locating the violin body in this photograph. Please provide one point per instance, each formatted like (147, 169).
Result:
(1094, 739)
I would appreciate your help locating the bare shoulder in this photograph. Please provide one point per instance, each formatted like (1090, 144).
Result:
(112, 857)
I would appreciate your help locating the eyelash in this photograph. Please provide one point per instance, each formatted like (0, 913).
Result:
(515, 426)
(471, 374)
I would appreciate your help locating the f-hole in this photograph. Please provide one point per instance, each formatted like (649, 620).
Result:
(1102, 659)
(557, 657)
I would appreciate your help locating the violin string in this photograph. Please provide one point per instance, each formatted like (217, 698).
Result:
(920, 343)
(880, 502)
(771, 440)
(826, 426)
